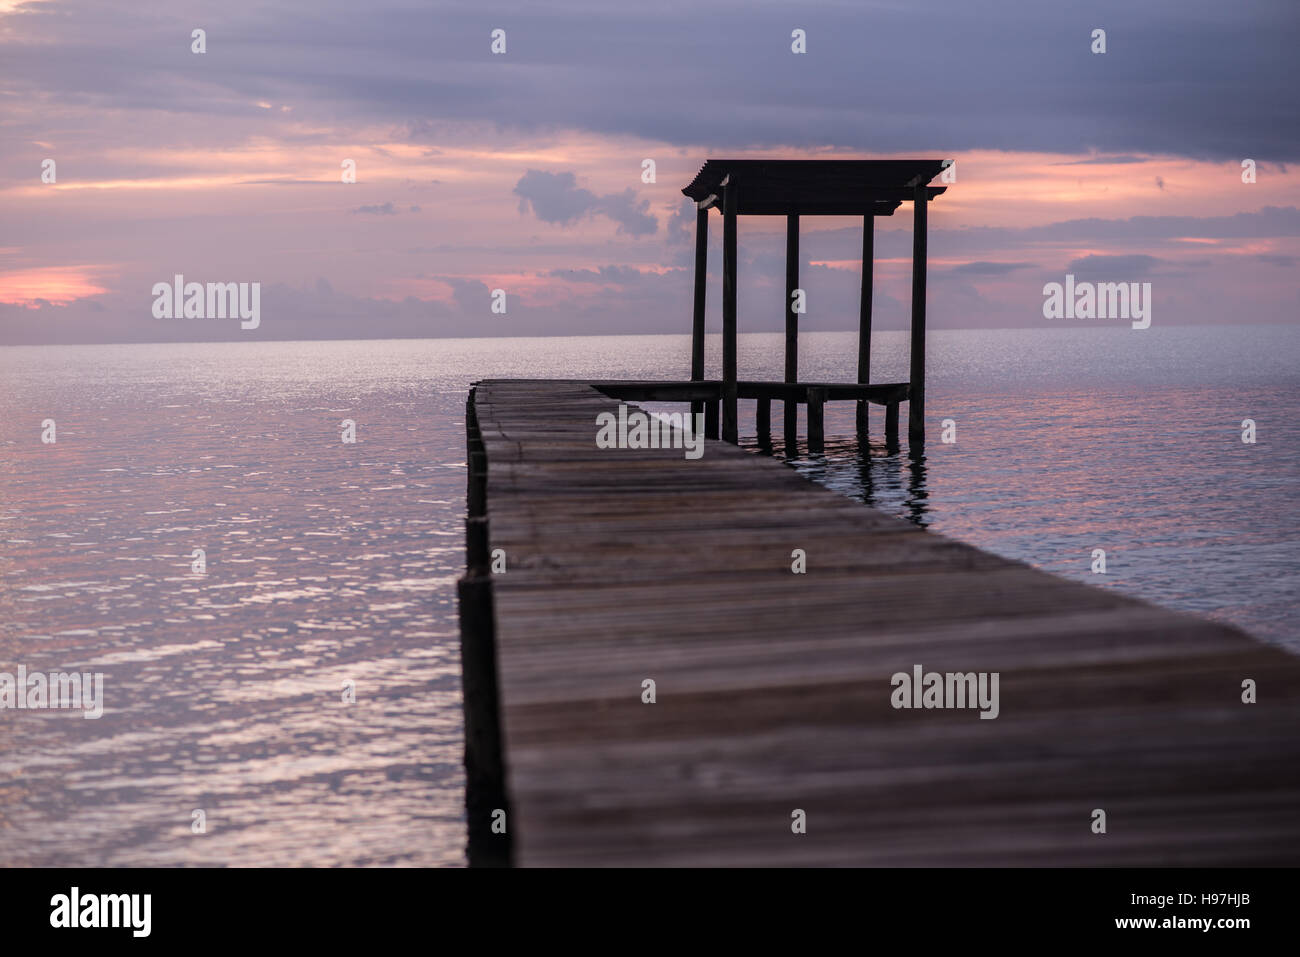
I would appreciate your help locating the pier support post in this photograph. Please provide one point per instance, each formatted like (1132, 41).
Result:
(891, 426)
(730, 425)
(816, 420)
(916, 398)
(790, 407)
(864, 316)
(711, 419)
(763, 420)
(697, 325)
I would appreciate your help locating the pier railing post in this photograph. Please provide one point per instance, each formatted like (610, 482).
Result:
(916, 399)
(730, 424)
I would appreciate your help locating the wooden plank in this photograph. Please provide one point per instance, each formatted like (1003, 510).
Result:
(773, 688)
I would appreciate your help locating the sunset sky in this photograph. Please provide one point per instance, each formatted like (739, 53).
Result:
(523, 170)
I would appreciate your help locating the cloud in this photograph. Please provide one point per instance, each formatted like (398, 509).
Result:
(1216, 85)
(556, 198)
(981, 268)
(387, 209)
(611, 275)
(1113, 268)
(1103, 161)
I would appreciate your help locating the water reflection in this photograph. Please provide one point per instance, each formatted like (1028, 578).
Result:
(877, 473)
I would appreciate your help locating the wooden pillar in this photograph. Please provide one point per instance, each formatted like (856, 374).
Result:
(475, 462)
(916, 401)
(478, 554)
(816, 420)
(791, 320)
(711, 419)
(864, 315)
(891, 425)
(701, 275)
(730, 425)
(485, 787)
(763, 420)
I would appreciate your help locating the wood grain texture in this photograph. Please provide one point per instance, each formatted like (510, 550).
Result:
(773, 689)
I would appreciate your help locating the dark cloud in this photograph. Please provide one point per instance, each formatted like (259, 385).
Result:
(556, 198)
(1113, 268)
(945, 75)
(988, 268)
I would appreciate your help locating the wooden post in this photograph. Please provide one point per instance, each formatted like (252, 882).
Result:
(864, 315)
(485, 787)
(763, 420)
(475, 463)
(730, 425)
(916, 399)
(791, 407)
(891, 425)
(478, 555)
(816, 420)
(711, 419)
(701, 275)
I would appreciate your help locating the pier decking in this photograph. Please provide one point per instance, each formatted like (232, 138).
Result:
(773, 688)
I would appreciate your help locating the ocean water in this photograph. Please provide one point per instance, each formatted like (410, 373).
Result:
(333, 565)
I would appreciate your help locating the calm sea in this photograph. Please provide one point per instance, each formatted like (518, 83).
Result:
(332, 564)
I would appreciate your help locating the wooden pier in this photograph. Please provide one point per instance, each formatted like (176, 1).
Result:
(773, 689)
